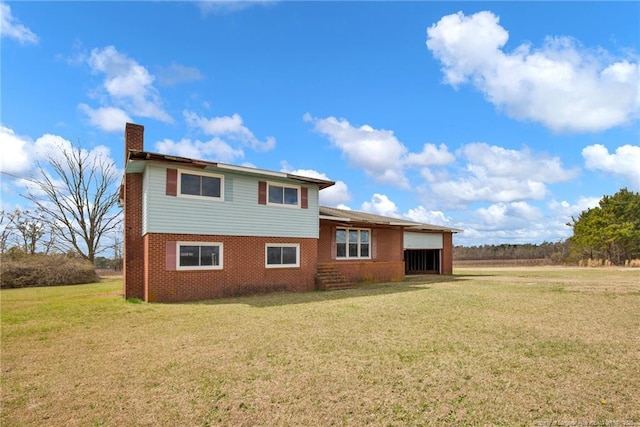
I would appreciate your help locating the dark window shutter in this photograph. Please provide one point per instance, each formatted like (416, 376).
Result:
(304, 198)
(262, 192)
(334, 248)
(374, 244)
(172, 182)
(170, 256)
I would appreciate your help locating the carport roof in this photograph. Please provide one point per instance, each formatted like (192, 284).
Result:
(343, 215)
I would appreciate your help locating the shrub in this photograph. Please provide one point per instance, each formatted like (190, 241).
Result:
(45, 270)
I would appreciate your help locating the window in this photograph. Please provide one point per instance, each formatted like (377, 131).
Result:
(279, 255)
(199, 256)
(200, 185)
(283, 195)
(353, 243)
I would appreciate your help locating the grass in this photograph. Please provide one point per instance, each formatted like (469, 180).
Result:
(488, 346)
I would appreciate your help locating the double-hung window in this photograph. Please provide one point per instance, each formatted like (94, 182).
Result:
(353, 243)
(200, 185)
(281, 255)
(199, 256)
(285, 195)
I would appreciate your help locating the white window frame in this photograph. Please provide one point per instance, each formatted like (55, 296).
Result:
(201, 174)
(200, 267)
(283, 204)
(347, 257)
(281, 245)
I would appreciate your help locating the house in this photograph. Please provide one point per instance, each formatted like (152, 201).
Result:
(198, 230)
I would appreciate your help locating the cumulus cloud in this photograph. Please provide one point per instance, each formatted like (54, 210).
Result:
(380, 204)
(214, 149)
(625, 162)
(425, 216)
(11, 27)
(109, 119)
(335, 196)
(377, 151)
(21, 156)
(514, 222)
(561, 84)
(15, 157)
(496, 174)
(566, 210)
(177, 73)
(231, 127)
(127, 87)
(501, 215)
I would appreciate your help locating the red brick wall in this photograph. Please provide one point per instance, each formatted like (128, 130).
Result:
(243, 271)
(133, 265)
(447, 253)
(386, 263)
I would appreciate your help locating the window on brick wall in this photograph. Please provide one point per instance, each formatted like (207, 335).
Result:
(282, 255)
(209, 186)
(198, 256)
(353, 243)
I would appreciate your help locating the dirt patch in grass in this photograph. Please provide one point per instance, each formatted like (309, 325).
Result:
(499, 347)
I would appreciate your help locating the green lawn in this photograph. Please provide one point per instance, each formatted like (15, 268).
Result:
(498, 346)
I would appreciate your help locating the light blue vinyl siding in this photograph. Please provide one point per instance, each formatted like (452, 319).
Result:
(238, 215)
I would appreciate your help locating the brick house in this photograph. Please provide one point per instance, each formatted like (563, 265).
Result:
(198, 230)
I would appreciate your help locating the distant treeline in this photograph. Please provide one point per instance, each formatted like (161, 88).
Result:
(556, 252)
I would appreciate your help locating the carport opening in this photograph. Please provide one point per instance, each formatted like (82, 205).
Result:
(422, 261)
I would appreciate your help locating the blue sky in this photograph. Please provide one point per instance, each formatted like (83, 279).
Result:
(499, 118)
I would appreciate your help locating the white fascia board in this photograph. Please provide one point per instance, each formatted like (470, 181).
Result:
(334, 218)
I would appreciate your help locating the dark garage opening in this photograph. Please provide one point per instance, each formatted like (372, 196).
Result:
(422, 261)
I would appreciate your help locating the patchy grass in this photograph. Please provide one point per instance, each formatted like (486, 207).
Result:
(500, 346)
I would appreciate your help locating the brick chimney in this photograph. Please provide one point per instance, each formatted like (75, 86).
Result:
(133, 138)
(133, 263)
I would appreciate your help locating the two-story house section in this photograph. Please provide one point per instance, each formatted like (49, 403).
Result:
(197, 230)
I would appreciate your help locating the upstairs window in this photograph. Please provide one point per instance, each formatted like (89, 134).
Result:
(353, 243)
(200, 185)
(283, 195)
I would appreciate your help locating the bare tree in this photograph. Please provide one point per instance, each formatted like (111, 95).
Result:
(30, 229)
(6, 222)
(78, 194)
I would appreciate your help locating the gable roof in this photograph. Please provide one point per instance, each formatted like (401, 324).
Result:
(348, 216)
(136, 160)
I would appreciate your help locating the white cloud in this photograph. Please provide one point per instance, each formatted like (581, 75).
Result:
(515, 222)
(566, 210)
(421, 214)
(501, 215)
(12, 28)
(496, 174)
(430, 155)
(177, 73)
(127, 85)
(15, 157)
(377, 151)
(109, 119)
(519, 164)
(231, 127)
(380, 204)
(215, 149)
(334, 196)
(561, 84)
(625, 162)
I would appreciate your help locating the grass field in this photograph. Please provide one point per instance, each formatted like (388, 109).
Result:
(487, 346)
